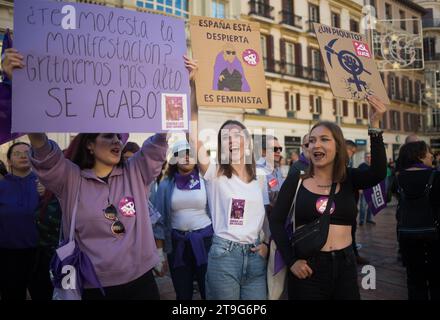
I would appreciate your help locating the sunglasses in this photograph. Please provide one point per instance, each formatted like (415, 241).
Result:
(111, 213)
(276, 149)
(230, 52)
(181, 154)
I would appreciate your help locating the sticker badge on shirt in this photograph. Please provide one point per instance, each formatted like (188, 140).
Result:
(273, 182)
(321, 204)
(237, 212)
(126, 206)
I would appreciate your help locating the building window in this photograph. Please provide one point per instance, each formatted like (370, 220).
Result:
(313, 16)
(336, 20)
(354, 25)
(415, 25)
(290, 58)
(405, 88)
(395, 120)
(317, 69)
(263, 42)
(392, 86)
(219, 9)
(429, 48)
(388, 12)
(175, 7)
(402, 20)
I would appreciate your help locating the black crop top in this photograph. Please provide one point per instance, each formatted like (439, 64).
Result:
(345, 205)
(343, 210)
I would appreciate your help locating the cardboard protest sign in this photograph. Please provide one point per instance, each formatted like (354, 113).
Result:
(92, 68)
(231, 66)
(349, 63)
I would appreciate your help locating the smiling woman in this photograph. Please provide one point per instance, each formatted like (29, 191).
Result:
(309, 277)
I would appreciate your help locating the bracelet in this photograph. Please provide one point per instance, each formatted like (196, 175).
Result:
(375, 132)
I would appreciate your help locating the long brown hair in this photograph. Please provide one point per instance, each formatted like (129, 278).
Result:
(82, 156)
(341, 157)
(226, 169)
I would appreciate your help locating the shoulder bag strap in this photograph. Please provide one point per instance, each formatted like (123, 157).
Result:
(292, 207)
(74, 211)
(330, 198)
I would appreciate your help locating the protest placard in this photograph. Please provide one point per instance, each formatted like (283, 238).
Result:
(349, 63)
(92, 68)
(231, 65)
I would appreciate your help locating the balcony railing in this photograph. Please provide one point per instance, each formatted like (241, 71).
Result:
(291, 19)
(295, 70)
(431, 23)
(432, 57)
(260, 8)
(310, 26)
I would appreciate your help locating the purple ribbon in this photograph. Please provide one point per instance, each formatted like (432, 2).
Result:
(197, 244)
(279, 261)
(188, 182)
(303, 159)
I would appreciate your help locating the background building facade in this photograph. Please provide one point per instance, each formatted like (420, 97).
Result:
(296, 82)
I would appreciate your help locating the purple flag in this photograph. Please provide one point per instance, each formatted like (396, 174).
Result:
(6, 100)
(376, 197)
(91, 68)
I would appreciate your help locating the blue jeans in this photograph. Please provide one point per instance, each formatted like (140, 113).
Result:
(364, 209)
(235, 272)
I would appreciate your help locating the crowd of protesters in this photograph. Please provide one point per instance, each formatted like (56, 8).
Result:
(139, 212)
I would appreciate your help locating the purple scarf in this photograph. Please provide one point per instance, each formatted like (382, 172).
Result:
(422, 166)
(188, 182)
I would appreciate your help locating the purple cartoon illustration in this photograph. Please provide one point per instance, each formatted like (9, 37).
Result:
(228, 71)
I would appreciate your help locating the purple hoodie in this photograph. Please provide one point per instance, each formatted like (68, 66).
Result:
(117, 259)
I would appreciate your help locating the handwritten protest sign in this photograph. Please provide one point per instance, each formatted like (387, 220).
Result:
(349, 63)
(98, 69)
(231, 66)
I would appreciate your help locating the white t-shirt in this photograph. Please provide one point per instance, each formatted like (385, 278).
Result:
(188, 209)
(237, 209)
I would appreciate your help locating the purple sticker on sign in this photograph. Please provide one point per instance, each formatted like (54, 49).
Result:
(92, 68)
(250, 56)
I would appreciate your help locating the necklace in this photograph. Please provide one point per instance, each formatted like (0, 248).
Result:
(327, 186)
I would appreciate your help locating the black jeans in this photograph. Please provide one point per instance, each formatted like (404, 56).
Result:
(41, 287)
(16, 267)
(334, 278)
(142, 288)
(183, 277)
(422, 261)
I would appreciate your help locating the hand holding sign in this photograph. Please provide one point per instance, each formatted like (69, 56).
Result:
(378, 108)
(192, 66)
(13, 59)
